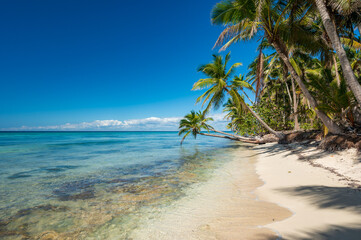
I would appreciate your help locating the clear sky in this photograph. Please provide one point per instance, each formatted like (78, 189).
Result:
(79, 61)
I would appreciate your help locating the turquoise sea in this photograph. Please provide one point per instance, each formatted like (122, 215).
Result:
(96, 185)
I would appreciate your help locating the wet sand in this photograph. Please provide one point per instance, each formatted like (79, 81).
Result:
(225, 207)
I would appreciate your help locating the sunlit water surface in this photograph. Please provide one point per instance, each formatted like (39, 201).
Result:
(96, 185)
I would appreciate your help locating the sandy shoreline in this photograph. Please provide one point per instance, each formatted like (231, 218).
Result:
(270, 191)
(318, 187)
(225, 207)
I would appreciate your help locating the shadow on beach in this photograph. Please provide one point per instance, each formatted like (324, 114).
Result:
(333, 232)
(342, 198)
(294, 149)
(345, 198)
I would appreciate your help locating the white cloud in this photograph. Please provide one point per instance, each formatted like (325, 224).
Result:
(145, 124)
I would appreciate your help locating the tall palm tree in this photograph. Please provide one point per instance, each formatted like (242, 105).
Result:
(218, 86)
(245, 19)
(336, 42)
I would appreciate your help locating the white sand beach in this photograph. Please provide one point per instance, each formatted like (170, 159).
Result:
(270, 191)
(320, 188)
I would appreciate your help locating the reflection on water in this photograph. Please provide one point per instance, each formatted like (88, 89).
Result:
(95, 185)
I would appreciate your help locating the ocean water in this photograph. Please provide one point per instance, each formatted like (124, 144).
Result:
(97, 185)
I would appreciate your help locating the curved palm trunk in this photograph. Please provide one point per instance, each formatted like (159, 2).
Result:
(278, 134)
(219, 136)
(247, 96)
(332, 126)
(232, 138)
(341, 53)
(236, 136)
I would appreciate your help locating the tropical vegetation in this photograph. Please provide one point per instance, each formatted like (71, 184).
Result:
(307, 73)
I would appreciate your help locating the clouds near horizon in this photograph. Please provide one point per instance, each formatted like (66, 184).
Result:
(145, 124)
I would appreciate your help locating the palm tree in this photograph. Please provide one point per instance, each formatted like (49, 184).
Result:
(274, 69)
(245, 19)
(218, 87)
(336, 42)
(194, 122)
(217, 74)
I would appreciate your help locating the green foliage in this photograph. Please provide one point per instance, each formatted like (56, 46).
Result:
(334, 98)
(216, 83)
(193, 123)
(295, 29)
(247, 124)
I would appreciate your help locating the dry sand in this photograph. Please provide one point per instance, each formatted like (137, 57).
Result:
(270, 191)
(320, 188)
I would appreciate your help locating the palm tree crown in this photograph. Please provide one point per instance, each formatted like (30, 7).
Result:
(218, 75)
(193, 123)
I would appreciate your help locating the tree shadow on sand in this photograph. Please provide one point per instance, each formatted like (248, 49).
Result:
(341, 198)
(295, 149)
(329, 197)
(332, 232)
(344, 198)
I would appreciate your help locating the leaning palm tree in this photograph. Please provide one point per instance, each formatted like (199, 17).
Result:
(218, 86)
(194, 122)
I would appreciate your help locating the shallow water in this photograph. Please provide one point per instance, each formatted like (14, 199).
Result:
(96, 185)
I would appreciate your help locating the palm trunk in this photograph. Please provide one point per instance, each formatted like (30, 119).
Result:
(341, 53)
(265, 125)
(232, 135)
(247, 96)
(219, 136)
(288, 90)
(231, 138)
(278, 134)
(332, 126)
(336, 71)
(295, 106)
(293, 98)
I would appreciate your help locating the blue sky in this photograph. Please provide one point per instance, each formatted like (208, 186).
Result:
(72, 62)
